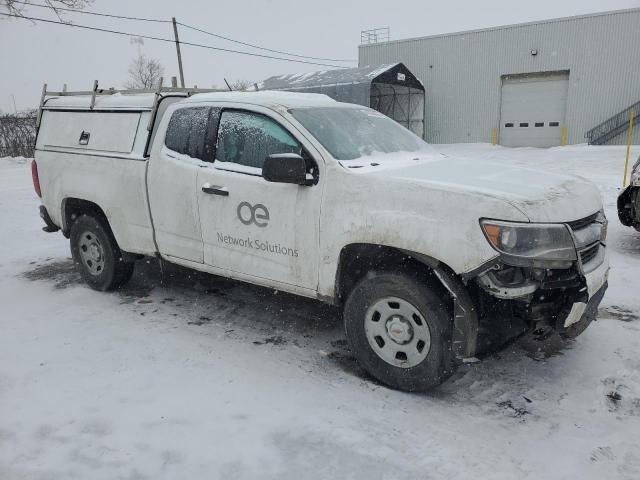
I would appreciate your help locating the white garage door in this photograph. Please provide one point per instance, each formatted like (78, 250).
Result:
(532, 111)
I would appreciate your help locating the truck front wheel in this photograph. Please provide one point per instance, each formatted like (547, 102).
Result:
(399, 331)
(97, 255)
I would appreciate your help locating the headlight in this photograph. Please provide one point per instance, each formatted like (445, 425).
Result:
(538, 241)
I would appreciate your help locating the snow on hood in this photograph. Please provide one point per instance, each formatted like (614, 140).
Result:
(391, 161)
(541, 196)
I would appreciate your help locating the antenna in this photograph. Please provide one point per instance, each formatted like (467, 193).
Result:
(139, 42)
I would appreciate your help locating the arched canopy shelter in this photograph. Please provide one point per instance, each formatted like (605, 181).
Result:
(391, 89)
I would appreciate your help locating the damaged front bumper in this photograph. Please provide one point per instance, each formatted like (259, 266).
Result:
(541, 297)
(581, 315)
(585, 307)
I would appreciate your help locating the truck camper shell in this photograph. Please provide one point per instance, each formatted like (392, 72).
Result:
(106, 122)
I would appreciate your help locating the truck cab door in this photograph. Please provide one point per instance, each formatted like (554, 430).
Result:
(172, 183)
(252, 229)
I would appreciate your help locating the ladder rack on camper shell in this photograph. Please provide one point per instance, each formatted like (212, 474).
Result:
(111, 91)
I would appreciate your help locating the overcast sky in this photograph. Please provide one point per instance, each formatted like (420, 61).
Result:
(31, 55)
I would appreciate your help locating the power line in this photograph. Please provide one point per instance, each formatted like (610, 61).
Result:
(63, 9)
(222, 37)
(160, 39)
(262, 48)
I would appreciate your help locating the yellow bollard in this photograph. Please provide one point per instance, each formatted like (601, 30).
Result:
(494, 136)
(629, 138)
(563, 142)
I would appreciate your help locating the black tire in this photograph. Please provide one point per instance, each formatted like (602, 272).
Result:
(436, 366)
(111, 271)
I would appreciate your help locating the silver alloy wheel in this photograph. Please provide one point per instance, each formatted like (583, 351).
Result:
(397, 332)
(91, 252)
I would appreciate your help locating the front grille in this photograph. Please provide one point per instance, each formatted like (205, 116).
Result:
(583, 222)
(589, 253)
(589, 235)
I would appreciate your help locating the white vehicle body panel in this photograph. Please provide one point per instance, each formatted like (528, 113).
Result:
(173, 202)
(281, 247)
(104, 173)
(111, 132)
(595, 280)
(542, 197)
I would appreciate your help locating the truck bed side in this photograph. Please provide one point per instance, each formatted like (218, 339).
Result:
(97, 156)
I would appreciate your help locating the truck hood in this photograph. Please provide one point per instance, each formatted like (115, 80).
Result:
(540, 196)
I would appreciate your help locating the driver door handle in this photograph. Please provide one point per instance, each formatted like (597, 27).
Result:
(215, 190)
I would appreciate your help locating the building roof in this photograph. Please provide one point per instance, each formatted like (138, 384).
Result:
(505, 27)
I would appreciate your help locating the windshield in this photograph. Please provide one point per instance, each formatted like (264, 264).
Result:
(349, 133)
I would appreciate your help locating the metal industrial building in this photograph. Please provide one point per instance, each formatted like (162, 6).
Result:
(529, 82)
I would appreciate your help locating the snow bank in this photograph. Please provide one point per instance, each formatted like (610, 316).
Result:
(209, 378)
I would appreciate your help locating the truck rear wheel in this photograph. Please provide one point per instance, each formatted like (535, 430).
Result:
(399, 331)
(97, 255)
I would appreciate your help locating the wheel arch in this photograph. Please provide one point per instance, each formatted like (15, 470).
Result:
(356, 260)
(73, 207)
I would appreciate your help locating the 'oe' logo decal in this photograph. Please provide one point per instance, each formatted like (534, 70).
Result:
(256, 214)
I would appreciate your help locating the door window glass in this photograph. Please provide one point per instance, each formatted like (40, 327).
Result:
(248, 138)
(187, 130)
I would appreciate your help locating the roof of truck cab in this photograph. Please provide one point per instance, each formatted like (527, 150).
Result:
(118, 101)
(266, 98)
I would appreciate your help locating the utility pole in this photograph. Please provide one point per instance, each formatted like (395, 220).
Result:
(175, 33)
(15, 110)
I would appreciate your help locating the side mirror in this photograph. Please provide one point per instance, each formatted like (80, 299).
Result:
(285, 168)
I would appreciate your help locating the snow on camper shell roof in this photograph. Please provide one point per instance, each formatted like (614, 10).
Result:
(340, 76)
(138, 101)
(266, 98)
(145, 101)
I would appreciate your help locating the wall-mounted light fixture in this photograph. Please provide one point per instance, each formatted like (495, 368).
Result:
(534, 52)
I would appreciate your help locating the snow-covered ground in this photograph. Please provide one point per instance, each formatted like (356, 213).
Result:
(208, 378)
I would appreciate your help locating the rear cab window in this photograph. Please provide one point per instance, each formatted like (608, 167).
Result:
(191, 132)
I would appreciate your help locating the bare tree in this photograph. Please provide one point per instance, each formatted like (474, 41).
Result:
(240, 84)
(17, 8)
(144, 72)
(18, 134)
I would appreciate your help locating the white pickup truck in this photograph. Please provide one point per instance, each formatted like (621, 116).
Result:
(297, 192)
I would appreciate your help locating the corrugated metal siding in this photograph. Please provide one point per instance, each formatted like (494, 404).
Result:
(462, 72)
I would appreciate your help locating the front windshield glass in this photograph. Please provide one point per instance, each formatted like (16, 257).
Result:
(349, 133)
